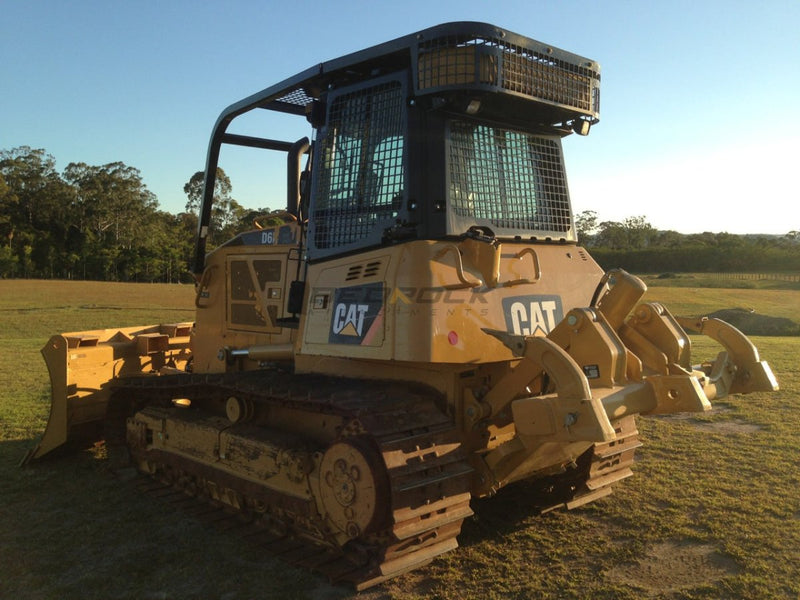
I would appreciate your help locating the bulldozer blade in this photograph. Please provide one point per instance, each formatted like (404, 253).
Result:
(83, 366)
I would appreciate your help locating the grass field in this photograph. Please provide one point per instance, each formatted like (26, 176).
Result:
(712, 512)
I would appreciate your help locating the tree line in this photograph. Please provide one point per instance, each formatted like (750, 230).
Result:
(102, 223)
(637, 246)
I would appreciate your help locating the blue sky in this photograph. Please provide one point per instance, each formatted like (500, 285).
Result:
(697, 130)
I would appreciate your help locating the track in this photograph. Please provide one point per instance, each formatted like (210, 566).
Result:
(422, 480)
(420, 474)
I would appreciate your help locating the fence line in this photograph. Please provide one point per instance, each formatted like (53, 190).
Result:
(758, 276)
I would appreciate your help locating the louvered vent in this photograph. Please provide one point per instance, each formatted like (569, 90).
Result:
(371, 269)
(363, 271)
(354, 272)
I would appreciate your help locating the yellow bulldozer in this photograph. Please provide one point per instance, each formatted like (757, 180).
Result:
(419, 327)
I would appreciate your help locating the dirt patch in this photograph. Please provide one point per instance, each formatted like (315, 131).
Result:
(672, 566)
(728, 427)
(751, 323)
(734, 426)
(690, 416)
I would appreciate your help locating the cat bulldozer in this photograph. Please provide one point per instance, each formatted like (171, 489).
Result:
(417, 329)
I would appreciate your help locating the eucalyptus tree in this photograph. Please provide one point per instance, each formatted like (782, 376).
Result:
(114, 213)
(226, 214)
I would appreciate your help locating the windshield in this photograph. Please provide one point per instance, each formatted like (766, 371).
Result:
(513, 179)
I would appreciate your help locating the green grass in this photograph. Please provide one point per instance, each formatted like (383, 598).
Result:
(702, 301)
(726, 480)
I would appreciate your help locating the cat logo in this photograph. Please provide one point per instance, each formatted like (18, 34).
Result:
(532, 315)
(348, 319)
(357, 316)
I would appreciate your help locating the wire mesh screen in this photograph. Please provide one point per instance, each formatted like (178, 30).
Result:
(535, 75)
(360, 168)
(456, 61)
(513, 179)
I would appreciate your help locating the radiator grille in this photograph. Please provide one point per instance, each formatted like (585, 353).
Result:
(513, 179)
(360, 169)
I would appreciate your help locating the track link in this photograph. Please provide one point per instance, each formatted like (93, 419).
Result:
(611, 462)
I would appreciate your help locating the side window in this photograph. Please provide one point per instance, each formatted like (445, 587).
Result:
(256, 290)
(360, 169)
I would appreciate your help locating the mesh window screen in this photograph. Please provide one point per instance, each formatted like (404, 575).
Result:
(513, 179)
(360, 170)
(456, 60)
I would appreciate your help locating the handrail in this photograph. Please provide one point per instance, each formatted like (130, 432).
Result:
(459, 265)
(537, 270)
(275, 214)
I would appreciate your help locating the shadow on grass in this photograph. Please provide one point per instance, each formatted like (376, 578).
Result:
(70, 529)
(72, 526)
(519, 506)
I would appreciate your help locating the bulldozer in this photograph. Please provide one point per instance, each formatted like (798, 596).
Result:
(417, 328)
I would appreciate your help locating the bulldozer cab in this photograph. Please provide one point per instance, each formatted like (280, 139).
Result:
(452, 131)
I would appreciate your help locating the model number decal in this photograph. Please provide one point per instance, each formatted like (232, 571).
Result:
(284, 234)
